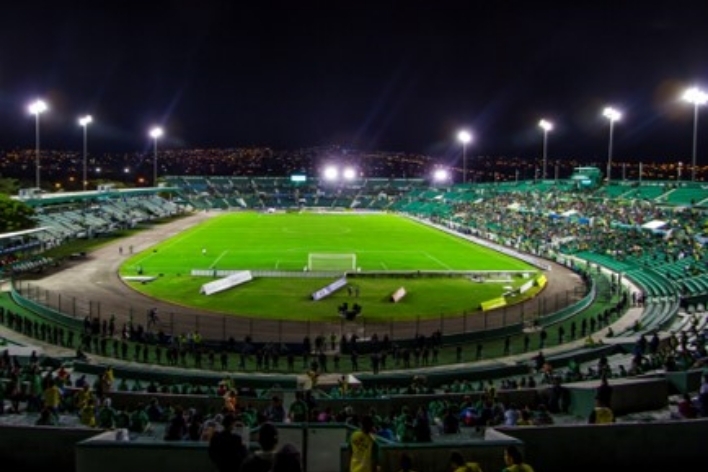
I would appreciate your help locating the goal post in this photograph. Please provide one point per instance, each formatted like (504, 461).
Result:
(331, 262)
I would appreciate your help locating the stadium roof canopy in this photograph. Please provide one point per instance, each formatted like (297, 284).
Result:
(74, 197)
(18, 234)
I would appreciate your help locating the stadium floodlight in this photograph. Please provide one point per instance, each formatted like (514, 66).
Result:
(612, 115)
(155, 134)
(697, 97)
(464, 137)
(440, 175)
(546, 126)
(84, 122)
(331, 173)
(36, 108)
(349, 173)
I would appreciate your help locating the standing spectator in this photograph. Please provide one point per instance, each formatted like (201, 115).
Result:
(226, 449)
(514, 460)
(703, 397)
(363, 448)
(604, 391)
(542, 338)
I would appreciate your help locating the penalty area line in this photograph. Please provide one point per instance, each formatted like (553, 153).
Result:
(438, 261)
(218, 259)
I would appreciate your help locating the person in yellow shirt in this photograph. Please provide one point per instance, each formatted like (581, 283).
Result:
(601, 414)
(514, 460)
(364, 448)
(458, 463)
(83, 396)
(52, 398)
(87, 414)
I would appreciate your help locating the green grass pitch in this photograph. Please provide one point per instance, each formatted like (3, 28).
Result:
(381, 242)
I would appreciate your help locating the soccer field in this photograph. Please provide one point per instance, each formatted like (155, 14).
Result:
(260, 241)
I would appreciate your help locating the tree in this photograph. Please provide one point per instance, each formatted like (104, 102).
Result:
(15, 215)
(8, 186)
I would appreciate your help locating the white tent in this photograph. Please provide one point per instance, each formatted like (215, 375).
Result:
(654, 224)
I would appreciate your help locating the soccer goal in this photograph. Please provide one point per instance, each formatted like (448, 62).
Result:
(331, 262)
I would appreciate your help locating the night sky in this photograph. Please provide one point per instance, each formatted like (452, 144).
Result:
(392, 76)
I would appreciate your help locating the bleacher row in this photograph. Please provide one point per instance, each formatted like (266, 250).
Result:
(279, 192)
(102, 217)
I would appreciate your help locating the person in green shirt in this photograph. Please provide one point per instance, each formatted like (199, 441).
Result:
(106, 417)
(139, 421)
(298, 411)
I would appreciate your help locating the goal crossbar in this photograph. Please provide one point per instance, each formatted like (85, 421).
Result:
(331, 261)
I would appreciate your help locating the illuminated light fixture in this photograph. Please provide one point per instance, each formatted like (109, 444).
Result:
(546, 126)
(464, 137)
(36, 108)
(697, 97)
(612, 115)
(155, 133)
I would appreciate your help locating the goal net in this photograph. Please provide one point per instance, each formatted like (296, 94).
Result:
(331, 262)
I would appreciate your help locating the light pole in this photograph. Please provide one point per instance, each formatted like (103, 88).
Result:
(155, 134)
(612, 115)
(464, 137)
(679, 168)
(697, 97)
(37, 108)
(84, 122)
(546, 126)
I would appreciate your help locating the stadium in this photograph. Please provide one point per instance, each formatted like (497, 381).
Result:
(532, 290)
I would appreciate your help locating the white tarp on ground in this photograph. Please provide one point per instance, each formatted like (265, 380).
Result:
(654, 224)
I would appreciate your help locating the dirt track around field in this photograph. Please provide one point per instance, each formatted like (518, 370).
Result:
(96, 278)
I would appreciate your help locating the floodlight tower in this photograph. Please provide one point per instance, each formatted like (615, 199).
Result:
(84, 121)
(697, 97)
(37, 108)
(546, 126)
(612, 115)
(155, 134)
(464, 137)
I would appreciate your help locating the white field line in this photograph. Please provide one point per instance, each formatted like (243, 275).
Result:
(437, 260)
(223, 253)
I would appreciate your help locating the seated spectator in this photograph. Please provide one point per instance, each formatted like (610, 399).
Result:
(458, 464)
(275, 412)
(406, 463)
(450, 422)
(154, 410)
(176, 429)
(514, 460)
(542, 416)
(46, 418)
(686, 408)
(226, 448)
(287, 459)
(139, 420)
(262, 460)
(601, 414)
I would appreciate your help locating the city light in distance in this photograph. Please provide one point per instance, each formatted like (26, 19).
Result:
(441, 175)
